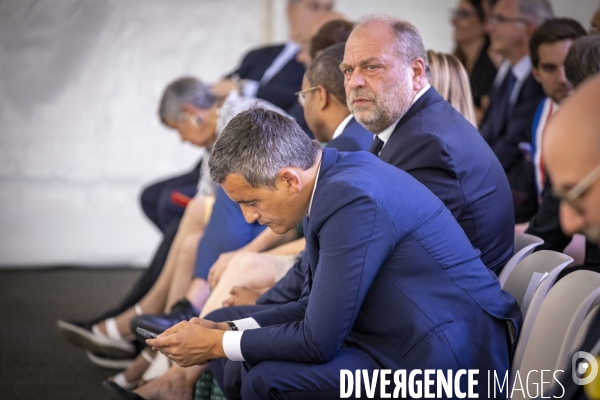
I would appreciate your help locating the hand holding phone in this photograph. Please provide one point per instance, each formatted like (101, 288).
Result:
(146, 334)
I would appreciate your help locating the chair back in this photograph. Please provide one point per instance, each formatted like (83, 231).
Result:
(524, 245)
(529, 283)
(554, 330)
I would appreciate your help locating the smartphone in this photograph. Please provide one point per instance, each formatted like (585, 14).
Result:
(146, 334)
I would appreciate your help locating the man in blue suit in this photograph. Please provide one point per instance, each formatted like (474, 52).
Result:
(324, 101)
(387, 90)
(392, 280)
(514, 97)
(272, 73)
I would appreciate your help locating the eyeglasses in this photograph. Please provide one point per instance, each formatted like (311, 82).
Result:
(301, 94)
(501, 19)
(459, 13)
(578, 190)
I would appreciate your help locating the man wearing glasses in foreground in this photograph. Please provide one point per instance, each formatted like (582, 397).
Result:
(572, 152)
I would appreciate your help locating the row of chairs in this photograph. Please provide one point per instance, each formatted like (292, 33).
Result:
(556, 317)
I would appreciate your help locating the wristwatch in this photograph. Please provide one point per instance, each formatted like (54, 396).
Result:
(232, 326)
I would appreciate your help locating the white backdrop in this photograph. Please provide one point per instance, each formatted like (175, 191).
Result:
(79, 85)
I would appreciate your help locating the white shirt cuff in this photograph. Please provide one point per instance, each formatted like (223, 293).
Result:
(250, 88)
(232, 345)
(232, 340)
(246, 323)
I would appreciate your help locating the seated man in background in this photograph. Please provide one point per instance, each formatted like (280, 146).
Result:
(514, 97)
(548, 48)
(273, 73)
(370, 244)
(581, 62)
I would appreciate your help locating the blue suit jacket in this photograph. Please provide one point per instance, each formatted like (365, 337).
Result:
(443, 151)
(354, 138)
(389, 272)
(281, 88)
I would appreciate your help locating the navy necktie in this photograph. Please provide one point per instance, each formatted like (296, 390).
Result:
(376, 146)
(508, 87)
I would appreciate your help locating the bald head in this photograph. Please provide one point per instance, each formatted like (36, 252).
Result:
(575, 127)
(572, 150)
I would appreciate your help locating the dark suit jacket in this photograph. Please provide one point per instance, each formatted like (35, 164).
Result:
(504, 136)
(391, 273)
(443, 151)
(281, 88)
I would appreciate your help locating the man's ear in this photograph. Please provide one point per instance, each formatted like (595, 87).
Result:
(419, 72)
(289, 179)
(323, 97)
(536, 73)
(529, 28)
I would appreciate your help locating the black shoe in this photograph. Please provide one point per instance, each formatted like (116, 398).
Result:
(83, 336)
(158, 323)
(104, 361)
(116, 392)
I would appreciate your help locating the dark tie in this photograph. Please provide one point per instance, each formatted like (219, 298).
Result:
(376, 146)
(499, 111)
(509, 83)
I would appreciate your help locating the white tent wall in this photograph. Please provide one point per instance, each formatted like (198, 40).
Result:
(80, 82)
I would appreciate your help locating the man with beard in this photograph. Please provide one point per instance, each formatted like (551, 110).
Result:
(388, 92)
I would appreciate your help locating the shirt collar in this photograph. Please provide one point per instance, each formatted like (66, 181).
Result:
(342, 126)
(387, 132)
(522, 68)
(312, 196)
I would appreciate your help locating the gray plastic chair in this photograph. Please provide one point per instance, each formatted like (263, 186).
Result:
(555, 328)
(524, 245)
(527, 275)
(529, 284)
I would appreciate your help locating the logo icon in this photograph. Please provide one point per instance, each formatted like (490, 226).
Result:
(584, 368)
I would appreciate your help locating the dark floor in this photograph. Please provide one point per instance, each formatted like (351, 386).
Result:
(35, 362)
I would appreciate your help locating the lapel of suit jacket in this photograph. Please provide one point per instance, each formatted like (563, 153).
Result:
(430, 97)
(328, 159)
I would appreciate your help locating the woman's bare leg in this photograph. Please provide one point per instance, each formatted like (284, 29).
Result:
(184, 272)
(177, 384)
(253, 270)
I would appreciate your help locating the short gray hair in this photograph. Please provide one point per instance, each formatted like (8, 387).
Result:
(410, 42)
(537, 11)
(257, 144)
(182, 91)
(583, 59)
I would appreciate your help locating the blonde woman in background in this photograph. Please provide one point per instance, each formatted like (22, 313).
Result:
(450, 79)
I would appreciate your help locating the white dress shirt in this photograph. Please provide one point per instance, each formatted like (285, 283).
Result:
(338, 131)
(520, 70)
(387, 132)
